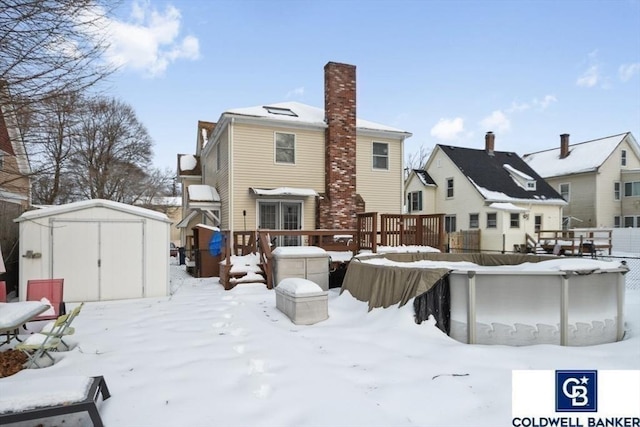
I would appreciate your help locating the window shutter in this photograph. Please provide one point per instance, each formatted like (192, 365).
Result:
(419, 200)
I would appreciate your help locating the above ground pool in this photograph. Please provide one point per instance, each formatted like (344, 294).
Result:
(499, 299)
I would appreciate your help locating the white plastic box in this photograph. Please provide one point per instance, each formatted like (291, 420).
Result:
(306, 262)
(303, 301)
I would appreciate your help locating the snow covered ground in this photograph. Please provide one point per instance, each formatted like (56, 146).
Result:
(204, 356)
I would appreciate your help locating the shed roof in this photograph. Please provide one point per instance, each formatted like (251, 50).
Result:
(88, 204)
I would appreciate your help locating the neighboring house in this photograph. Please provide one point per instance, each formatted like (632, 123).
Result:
(600, 180)
(492, 191)
(15, 185)
(170, 206)
(292, 166)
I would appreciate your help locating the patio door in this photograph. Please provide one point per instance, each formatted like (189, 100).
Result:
(281, 216)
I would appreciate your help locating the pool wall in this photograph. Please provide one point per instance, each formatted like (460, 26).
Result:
(494, 306)
(562, 308)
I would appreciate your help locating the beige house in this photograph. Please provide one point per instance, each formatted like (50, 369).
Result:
(495, 192)
(293, 166)
(15, 185)
(600, 180)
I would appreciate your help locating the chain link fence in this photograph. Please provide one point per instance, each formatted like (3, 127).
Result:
(632, 278)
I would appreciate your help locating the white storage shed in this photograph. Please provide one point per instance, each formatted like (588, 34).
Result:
(103, 250)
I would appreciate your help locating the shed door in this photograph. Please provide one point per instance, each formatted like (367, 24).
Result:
(99, 260)
(74, 258)
(121, 254)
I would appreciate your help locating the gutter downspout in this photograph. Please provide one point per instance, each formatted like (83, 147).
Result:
(402, 189)
(231, 172)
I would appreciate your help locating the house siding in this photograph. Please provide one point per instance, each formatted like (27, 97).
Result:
(13, 182)
(581, 198)
(255, 166)
(382, 190)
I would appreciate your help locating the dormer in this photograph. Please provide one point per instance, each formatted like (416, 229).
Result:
(521, 178)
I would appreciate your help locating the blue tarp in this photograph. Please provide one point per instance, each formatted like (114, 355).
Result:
(215, 244)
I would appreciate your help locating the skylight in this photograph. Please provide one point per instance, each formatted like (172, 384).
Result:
(280, 111)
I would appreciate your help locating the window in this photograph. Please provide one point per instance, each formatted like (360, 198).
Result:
(632, 189)
(474, 220)
(380, 155)
(414, 201)
(628, 221)
(616, 191)
(515, 220)
(450, 223)
(531, 185)
(449, 188)
(492, 220)
(616, 221)
(564, 191)
(285, 148)
(623, 158)
(565, 222)
(285, 215)
(538, 222)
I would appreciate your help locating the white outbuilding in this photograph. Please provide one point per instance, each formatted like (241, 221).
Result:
(103, 250)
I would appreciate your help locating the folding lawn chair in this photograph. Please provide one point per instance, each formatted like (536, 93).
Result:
(48, 329)
(39, 345)
(52, 290)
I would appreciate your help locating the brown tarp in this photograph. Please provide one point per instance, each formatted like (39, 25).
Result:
(383, 286)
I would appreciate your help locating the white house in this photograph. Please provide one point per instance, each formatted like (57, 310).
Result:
(492, 191)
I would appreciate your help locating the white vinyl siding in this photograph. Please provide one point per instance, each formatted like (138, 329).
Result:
(253, 149)
(382, 190)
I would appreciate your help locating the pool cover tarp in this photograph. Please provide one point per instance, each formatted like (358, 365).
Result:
(383, 286)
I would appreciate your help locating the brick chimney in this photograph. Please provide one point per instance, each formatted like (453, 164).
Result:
(489, 142)
(338, 205)
(564, 145)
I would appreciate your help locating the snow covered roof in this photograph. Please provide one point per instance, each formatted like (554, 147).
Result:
(189, 164)
(506, 206)
(492, 175)
(92, 203)
(202, 193)
(424, 177)
(285, 191)
(583, 157)
(296, 112)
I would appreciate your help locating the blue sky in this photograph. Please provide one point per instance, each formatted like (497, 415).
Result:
(446, 71)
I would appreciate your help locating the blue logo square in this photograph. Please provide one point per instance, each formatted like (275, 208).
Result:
(576, 391)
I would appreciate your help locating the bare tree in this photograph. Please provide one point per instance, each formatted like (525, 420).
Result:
(112, 152)
(417, 160)
(52, 130)
(50, 47)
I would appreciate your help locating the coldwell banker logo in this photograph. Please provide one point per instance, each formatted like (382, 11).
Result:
(576, 391)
